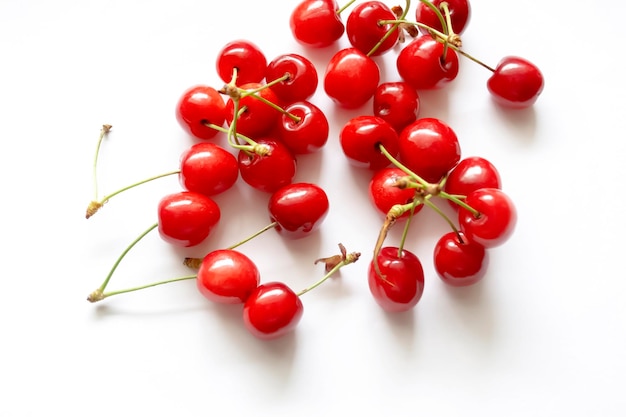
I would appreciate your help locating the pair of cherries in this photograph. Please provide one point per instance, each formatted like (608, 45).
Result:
(227, 276)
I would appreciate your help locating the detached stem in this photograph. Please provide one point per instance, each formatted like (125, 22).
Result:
(103, 132)
(97, 294)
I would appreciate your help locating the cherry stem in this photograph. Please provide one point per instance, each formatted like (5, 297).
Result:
(405, 231)
(442, 20)
(406, 170)
(253, 147)
(445, 217)
(346, 259)
(194, 263)
(459, 201)
(391, 30)
(98, 294)
(345, 6)
(252, 236)
(253, 93)
(103, 132)
(95, 205)
(141, 287)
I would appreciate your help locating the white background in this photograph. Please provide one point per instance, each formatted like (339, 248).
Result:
(543, 334)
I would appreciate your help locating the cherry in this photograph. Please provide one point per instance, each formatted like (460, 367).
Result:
(307, 134)
(402, 282)
(272, 310)
(316, 23)
(515, 82)
(351, 78)
(186, 218)
(208, 169)
(267, 172)
(384, 193)
(361, 137)
(397, 103)
(460, 13)
(302, 77)
(458, 261)
(495, 220)
(243, 56)
(429, 148)
(470, 174)
(256, 118)
(424, 65)
(298, 209)
(227, 276)
(198, 107)
(364, 30)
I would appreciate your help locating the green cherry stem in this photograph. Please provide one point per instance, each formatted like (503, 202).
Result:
(345, 6)
(442, 20)
(459, 201)
(392, 29)
(406, 170)
(444, 216)
(405, 231)
(98, 294)
(102, 296)
(103, 132)
(194, 263)
(333, 264)
(95, 205)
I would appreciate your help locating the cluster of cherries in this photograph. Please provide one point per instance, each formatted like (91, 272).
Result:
(264, 109)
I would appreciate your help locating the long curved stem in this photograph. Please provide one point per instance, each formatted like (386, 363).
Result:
(97, 294)
(141, 287)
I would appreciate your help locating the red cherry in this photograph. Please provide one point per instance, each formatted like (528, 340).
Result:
(298, 208)
(351, 78)
(208, 169)
(268, 172)
(246, 57)
(227, 276)
(496, 221)
(198, 106)
(361, 137)
(397, 103)
(306, 135)
(316, 23)
(272, 310)
(364, 31)
(471, 174)
(403, 282)
(460, 13)
(258, 119)
(515, 83)
(384, 195)
(186, 218)
(429, 148)
(459, 263)
(302, 81)
(421, 64)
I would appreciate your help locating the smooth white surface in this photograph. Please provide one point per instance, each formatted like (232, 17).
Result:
(544, 334)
